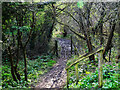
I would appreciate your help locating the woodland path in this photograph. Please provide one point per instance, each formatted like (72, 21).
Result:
(56, 77)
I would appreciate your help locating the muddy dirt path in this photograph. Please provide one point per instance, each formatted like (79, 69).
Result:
(56, 77)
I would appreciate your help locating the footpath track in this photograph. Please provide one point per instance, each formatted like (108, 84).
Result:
(56, 77)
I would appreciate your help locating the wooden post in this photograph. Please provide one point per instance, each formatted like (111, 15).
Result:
(75, 50)
(67, 78)
(100, 78)
(109, 55)
(76, 72)
(56, 48)
(71, 45)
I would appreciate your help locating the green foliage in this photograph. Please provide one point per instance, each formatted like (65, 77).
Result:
(73, 59)
(80, 4)
(110, 78)
(35, 68)
(21, 28)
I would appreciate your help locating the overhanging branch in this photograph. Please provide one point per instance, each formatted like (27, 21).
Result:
(76, 33)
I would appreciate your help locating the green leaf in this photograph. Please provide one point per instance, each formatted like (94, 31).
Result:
(80, 4)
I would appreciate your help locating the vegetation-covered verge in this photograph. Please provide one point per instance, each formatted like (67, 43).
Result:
(88, 75)
(36, 67)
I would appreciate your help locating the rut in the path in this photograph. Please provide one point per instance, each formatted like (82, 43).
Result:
(56, 77)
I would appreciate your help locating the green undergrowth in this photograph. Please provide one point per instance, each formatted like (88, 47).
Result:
(59, 34)
(35, 68)
(88, 72)
(88, 78)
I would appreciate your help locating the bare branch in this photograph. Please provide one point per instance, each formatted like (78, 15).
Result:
(71, 29)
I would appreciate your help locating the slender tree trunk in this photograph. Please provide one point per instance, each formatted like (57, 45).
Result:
(17, 74)
(88, 40)
(89, 44)
(65, 31)
(101, 34)
(13, 39)
(12, 67)
(109, 55)
(24, 55)
(101, 24)
(109, 42)
(18, 48)
(25, 62)
(86, 33)
(23, 47)
(33, 36)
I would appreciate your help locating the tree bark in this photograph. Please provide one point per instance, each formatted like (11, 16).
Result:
(18, 54)
(23, 47)
(87, 35)
(12, 67)
(109, 42)
(89, 44)
(25, 62)
(33, 36)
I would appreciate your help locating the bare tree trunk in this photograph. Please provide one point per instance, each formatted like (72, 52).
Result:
(18, 49)
(25, 62)
(101, 34)
(23, 47)
(87, 35)
(101, 24)
(12, 67)
(89, 44)
(109, 42)
(65, 31)
(33, 36)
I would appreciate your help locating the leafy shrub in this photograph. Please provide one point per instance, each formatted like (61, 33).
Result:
(35, 68)
(110, 79)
